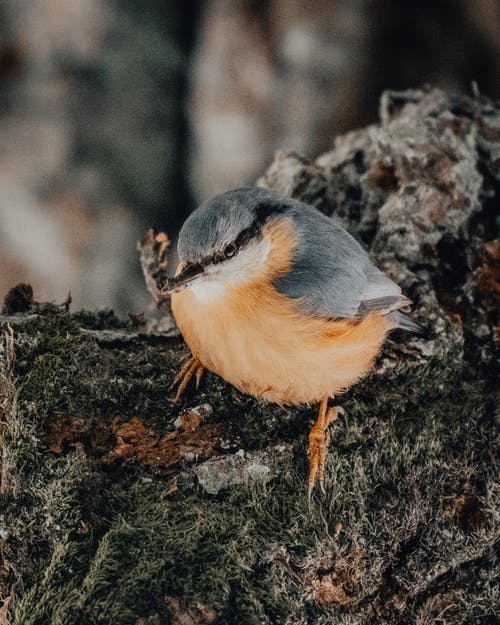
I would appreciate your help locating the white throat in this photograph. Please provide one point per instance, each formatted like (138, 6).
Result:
(239, 270)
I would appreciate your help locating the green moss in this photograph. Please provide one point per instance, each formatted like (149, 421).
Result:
(100, 545)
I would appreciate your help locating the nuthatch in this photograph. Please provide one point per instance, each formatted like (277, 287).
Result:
(281, 302)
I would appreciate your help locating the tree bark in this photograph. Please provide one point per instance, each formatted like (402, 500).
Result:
(119, 508)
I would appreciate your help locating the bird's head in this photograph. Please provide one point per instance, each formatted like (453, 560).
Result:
(222, 242)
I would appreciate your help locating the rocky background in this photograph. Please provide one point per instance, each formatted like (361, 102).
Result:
(118, 116)
(119, 508)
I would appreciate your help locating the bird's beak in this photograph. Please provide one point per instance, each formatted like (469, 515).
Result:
(184, 278)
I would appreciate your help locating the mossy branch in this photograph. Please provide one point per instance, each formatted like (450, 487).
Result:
(131, 511)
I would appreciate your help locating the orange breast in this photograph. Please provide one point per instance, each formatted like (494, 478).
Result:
(259, 341)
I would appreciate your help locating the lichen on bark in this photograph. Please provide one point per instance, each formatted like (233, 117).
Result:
(104, 517)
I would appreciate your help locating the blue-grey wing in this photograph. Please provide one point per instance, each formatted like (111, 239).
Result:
(331, 274)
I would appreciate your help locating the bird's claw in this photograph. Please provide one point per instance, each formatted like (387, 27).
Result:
(192, 367)
(199, 375)
(181, 374)
(319, 439)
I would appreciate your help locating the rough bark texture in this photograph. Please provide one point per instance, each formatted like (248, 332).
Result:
(119, 508)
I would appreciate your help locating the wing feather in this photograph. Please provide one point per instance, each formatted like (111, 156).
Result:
(332, 275)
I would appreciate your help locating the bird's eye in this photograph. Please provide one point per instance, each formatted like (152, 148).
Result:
(229, 250)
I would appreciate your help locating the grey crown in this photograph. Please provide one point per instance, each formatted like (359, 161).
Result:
(217, 222)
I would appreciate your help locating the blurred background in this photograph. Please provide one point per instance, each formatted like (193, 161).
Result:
(120, 115)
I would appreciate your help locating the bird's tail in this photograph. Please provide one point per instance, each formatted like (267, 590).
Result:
(405, 323)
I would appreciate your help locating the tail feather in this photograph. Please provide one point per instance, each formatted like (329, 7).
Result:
(405, 323)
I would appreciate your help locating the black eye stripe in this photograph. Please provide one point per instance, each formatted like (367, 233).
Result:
(242, 239)
(191, 269)
(247, 235)
(218, 257)
(263, 212)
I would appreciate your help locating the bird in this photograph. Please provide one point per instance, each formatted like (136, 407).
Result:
(283, 303)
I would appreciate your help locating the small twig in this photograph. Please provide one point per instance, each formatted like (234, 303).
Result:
(153, 251)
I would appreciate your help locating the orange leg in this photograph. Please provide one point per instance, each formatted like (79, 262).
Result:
(185, 368)
(319, 438)
(192, 367)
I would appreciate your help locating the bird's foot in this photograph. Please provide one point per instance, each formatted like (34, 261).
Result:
(192, 367)
(319, 439)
